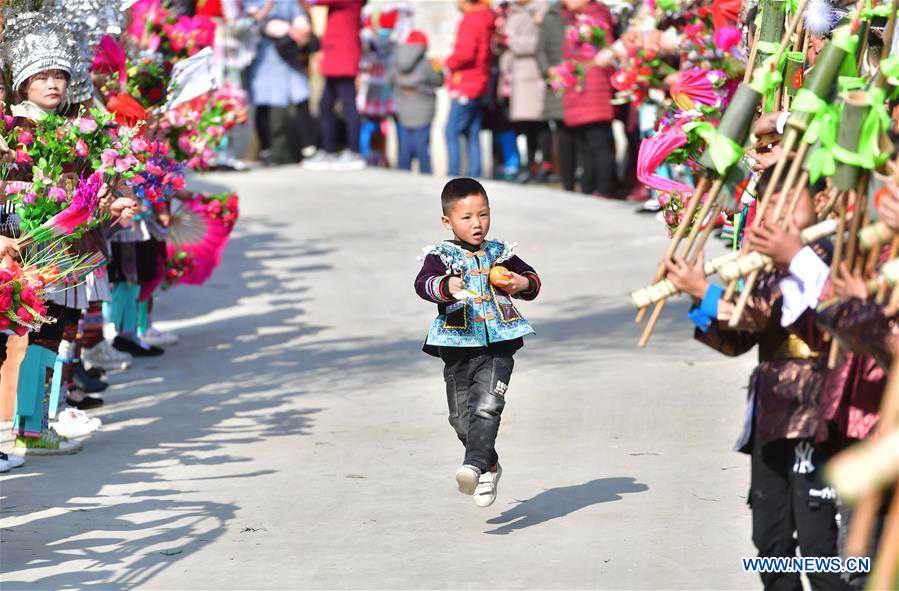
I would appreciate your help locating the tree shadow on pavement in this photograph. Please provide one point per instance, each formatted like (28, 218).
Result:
(561, 501)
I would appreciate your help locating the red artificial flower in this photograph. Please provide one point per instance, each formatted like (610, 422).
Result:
(126, 109)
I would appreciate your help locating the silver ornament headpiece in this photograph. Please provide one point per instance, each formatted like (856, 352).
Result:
(33, 43)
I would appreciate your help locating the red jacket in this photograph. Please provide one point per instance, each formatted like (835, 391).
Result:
(593, 104)
(341, 47)
(469, 63)
(212, 8)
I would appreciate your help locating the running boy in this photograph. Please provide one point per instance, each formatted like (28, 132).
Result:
(477, 330)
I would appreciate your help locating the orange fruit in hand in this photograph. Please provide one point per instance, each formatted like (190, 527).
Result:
(499, 276)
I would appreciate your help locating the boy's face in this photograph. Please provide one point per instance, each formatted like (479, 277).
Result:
(469, 219)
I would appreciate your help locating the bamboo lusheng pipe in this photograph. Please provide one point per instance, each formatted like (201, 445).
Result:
(692, 206)
(820, 82)
(884, 572)
(657, 311)
(760, 215)
(773, 25)
(855, 108)
(738, 123)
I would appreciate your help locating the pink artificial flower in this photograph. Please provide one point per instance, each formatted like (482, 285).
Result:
(138, 180)
(26, 137)
(24, 314)
(4, 323)
(81, 148)
(727, 37)
(125, 164)
(58, 194)
(109, 157)
(20, 330)
(155, 170)
(178, 182)
(139, 144)
(5, 300)
(22, 157)
(86, 125)
(29, 197)
(184, 145)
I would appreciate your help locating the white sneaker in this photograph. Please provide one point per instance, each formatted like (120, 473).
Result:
(320, 161)
(159, 338)
(15, 461)
(104, 356)
(348, 161)
(485, 493)
(467, 479)
(4, 464)
(73, 424)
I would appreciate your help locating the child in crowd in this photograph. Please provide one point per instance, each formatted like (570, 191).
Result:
(415, 83)
(468, 81)
(477, 330)
(788, 495)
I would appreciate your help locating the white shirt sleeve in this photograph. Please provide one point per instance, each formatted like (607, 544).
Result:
(802, 288)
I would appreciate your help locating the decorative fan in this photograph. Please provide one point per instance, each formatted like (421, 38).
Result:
(200, 235)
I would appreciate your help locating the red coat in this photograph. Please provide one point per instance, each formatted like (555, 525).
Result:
(341, 47)
(212, 8)
(593, 104)
(469, 64)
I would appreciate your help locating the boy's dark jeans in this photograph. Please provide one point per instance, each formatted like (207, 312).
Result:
(476, 383)
(787, 495)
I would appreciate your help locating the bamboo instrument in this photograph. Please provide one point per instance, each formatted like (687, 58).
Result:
(737, 123)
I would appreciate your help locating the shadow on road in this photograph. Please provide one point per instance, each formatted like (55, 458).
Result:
(561, 501)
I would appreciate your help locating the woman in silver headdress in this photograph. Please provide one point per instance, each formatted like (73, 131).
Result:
(38, 52)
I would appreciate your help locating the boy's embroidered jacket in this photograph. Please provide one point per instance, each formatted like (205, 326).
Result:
(485, 318)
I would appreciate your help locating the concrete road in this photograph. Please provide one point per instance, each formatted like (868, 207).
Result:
(297, 437)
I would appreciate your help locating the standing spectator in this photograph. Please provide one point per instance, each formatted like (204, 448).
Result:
(469, 67)
(549, 55)
(341, 52)
(522, 31)
(506, 157)
(415, 82)
(279, 90)
(589, 111)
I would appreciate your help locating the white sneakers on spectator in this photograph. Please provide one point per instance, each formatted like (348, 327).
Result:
(159, 338)
(348, 161)
(344, 162)
(8, 462)
(485, 493)
(104, 356)
(73, 424)
(320, 161)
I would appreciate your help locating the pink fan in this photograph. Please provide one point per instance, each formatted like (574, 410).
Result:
(204, 237)
(653, 151)
(696, 85)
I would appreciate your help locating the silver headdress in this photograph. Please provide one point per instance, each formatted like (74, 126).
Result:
(33, 42)
(86, 21)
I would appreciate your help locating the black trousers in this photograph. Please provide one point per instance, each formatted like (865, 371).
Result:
(284, 131)
(567, 155)
(476, 384)
(788, 494)
(596, 151)
(538, 139)
(342, 90)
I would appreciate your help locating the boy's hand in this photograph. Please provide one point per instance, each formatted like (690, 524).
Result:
(514, 283)
(778, 243)
(848, 285)
(8, 247)
(455, 285)
(687, 279)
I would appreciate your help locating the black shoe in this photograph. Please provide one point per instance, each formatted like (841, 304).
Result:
(96, 372)
(86, 403)
(135, 350)
(85, 382)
